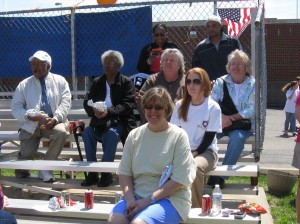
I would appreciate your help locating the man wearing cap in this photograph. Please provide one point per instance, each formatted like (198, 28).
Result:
(211, 53)
(41, 103)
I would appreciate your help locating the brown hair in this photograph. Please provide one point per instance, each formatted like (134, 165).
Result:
(158, 94)
(186, 100)
(288, 86)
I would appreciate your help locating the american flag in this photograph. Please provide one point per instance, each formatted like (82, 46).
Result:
(236, 19)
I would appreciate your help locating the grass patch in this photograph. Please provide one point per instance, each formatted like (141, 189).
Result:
(283, 208)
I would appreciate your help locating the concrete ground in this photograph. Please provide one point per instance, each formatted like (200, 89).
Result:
(277, 151)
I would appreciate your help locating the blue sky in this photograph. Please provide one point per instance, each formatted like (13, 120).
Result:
(280, 9)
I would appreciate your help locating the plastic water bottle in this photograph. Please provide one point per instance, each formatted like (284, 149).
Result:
(217, 200)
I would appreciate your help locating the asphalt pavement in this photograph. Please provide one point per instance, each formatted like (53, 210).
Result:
(277, 150)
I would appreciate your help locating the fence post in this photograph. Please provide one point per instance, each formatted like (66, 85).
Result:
(73, 52)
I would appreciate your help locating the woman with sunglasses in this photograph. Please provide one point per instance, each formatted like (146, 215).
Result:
(149, 196)
(149, 60)
(200, 117)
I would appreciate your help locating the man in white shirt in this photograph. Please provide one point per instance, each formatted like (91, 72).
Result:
(41, 103)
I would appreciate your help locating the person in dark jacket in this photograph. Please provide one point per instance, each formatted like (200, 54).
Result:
(113, 122)
(211, 53)
(149, 60)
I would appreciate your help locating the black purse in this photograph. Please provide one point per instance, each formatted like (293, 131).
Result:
(228, 108)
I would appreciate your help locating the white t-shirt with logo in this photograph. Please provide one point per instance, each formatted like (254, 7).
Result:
(200, 118)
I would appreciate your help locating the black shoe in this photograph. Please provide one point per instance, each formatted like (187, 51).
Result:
(212, 180)
(221, 182)
(216, 180)
(105, 180)
(22, 174)
(91, 179)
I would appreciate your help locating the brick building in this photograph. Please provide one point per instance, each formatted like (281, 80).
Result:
(283, 57)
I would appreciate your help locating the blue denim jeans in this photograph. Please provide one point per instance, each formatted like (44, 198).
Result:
(7, 218)
(235, 145)
(290, 119)
(109, 140)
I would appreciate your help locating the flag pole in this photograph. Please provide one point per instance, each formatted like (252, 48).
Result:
(215, 7)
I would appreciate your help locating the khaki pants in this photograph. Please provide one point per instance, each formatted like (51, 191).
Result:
(30, 142)
(206, 162)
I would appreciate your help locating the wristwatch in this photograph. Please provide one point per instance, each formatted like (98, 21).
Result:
(152, 200)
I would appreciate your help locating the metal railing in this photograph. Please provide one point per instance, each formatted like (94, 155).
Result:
(186, 27)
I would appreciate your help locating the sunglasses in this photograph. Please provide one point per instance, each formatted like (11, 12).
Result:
(194, 81)
(156, 107)
(159, 34)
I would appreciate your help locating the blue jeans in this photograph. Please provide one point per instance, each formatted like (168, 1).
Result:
(7, 218)
(109, 140)
(290, 119)
(235, 145)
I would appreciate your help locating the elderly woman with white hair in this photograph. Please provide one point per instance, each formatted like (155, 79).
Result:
(110, 125)
(171, 77)
(235, 93)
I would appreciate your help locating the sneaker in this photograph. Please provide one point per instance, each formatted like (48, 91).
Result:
(46, 176)
(285, 135)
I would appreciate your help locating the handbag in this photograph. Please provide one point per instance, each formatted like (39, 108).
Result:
(243, 124)
(228, 108)
(103, 124)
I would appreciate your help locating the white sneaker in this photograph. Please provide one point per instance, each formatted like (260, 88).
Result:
(46, 176)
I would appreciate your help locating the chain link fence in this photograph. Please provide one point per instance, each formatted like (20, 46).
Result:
(68, 33)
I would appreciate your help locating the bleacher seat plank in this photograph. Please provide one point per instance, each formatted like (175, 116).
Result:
(236, 189)
(40, 207)
(101, 211)
(235, 170)
(222, 170)
(60, 165)
(59, 183)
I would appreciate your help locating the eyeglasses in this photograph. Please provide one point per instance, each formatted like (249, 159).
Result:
(169, 60)
(159, 34)
(194, 81)
(156, 107)
(238, 64)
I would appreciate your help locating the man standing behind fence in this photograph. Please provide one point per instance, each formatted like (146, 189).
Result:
(41, 103)
(211, 53)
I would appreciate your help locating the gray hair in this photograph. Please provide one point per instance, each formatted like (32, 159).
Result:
(116, 55)
(242, 55)
(179, 56)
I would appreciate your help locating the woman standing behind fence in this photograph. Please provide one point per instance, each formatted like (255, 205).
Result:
(150, 56)
(291, 92)
(200, 117)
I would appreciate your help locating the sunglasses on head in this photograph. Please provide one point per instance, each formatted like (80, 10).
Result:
(194, 81)
(159, 34)
(156, 107)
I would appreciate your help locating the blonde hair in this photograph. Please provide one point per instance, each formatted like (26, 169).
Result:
(243, 56)
(179, 56)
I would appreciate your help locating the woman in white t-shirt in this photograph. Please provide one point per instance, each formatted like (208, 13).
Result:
(291, 92)
(200, 117)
